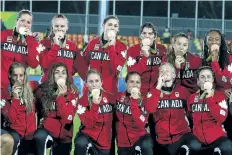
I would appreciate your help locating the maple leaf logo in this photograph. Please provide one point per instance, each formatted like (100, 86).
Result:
(40, 48)
(74, 102)
(80, 109)
(149, 95)
(123, 54)
(131, 61)
(230, 68)
(2, 103)
(119, 68)
(142, 118)
(37, 58)
(223, 104)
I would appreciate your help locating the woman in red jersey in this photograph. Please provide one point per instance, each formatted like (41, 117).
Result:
(58, 108)
(168, 102)
(18, 108)
(215, 54)
(146, 57)
(95, 110)
(209, 109)
(18, 45)
(132, 136)
(57, 48)
(185, 62)
(106, 54)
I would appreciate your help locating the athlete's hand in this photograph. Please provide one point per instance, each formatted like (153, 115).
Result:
(135, 93)
(228, 93)
(145, 51)
(161, 81)
(214, 50)
(208, 89)
(97, 99)
(62, 89)
(111, 37)
(17, 89)
(58, 36)
(179, 60)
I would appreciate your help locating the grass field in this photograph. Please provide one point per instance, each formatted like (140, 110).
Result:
(75, 130)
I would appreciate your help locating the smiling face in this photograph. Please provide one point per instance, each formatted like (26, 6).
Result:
(60, 25)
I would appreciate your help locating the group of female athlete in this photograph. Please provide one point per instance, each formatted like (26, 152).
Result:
(175, 102)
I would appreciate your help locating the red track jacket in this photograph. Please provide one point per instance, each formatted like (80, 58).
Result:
(51, 54)
(14, 111)
(208, 115)
(132, 119)
(108, 60)
(186, 75)
(16, 51)
(59, 120)
(223, 77)
(97, 119)
(169, 114)
(150, 72)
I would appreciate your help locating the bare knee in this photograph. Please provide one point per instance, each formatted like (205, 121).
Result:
(7, 140)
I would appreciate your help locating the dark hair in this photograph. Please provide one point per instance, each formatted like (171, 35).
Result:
(23, 12)
(197, 73)
(148, 25)
(49, 87)
(223, 55)
(171, 54)
(93, 71)
(110, 17)
(130, 74)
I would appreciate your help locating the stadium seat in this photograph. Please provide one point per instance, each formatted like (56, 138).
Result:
(91, 37)
(136, 38)
(124, 38)
(130, 41)
(74, 38)
(130, 38)
(136, 42)
(119, 37)
(80, 36)
(69, 37)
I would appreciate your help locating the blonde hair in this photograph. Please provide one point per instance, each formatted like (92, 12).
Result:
(52, 21)
(168, 64)
(27, 93)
